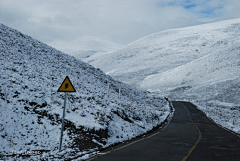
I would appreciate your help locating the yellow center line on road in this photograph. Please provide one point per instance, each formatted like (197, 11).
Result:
(194, 146)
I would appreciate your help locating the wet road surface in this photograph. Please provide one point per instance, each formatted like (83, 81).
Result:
(189, 136)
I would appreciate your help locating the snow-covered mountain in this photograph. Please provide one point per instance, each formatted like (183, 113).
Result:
(31, 107)
(83, 54)
(166, 50)
(199, 63)
(88, 55)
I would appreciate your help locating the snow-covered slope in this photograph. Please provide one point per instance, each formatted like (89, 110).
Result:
(199, 63)
(31, 107)
(214, 67)
(160, 52)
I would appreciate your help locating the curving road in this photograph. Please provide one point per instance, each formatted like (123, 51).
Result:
(189, 136)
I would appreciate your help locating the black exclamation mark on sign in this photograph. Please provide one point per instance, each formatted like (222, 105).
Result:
(66, 85)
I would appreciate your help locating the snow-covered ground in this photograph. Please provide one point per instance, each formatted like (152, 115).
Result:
(31, 107)
(199, 63)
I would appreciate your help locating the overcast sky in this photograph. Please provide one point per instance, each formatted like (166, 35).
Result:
(73, 25)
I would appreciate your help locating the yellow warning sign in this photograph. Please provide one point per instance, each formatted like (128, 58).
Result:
(66, 86)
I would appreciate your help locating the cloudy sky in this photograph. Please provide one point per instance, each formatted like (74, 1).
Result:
(73, 25)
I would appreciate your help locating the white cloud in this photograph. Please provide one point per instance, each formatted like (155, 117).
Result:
(67, 24)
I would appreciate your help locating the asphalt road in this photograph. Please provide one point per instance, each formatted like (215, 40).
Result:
(189, 136)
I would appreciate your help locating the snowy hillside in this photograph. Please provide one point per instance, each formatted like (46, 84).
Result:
(214, 67)
(199, 63)
(31, 107)
(166, 50)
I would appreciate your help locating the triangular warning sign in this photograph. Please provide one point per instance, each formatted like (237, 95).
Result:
(66, 86)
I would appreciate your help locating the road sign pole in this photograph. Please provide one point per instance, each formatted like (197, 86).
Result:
(65, 100)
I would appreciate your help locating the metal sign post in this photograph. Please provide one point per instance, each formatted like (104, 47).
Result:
(65, 100)
(65, 87)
